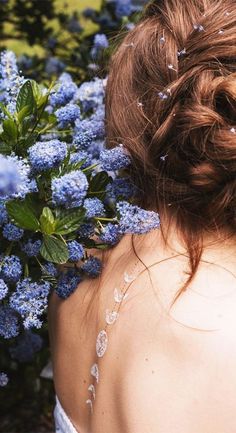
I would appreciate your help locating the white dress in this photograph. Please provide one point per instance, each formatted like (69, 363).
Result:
(62, 423)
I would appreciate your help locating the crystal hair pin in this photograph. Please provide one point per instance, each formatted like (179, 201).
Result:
(163, 158)
(233, 130)
(198, 27)
(171, 67)
(182, 52)
(162, 39)
(131, 44)
(164, 95)
(221, 31)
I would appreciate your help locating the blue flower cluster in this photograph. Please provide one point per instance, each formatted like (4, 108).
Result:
(3, 289)
(76, 251)
(68, 114)
(46, 155)
(65, 91)
(91, 94)
(92, 267)
(10, 80)
(94, 207)
(135, 220)
(14, 178)
(70, 190)
(111, 234)
(67, 284)
(100, 43)
(123, 8)
(9, 323)
(26, 346)
(10, 269)
(31, 248)
(120, 188)
(30, 301)
(12, 232)
(114, 159)
(3, 214)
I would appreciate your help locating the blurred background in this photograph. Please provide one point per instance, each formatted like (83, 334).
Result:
(50, 37)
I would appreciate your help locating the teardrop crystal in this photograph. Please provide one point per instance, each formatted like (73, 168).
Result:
(119, 296)
(101, 343)
(95, 372)
(129, 278)
(111, 317)
(92, 389)
(90, 403)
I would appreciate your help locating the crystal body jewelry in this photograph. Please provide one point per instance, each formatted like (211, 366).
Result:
(111, 317)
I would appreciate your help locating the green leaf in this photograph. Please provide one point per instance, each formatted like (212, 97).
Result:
(47, 221)
(25, 97)
(36, 90)
(27, 110)
(54, 250)
(5, 111)
(23, 214)
(98, 184)
(68, 221)
(10, 130)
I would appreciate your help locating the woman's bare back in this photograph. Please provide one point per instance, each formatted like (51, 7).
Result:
(165, 370)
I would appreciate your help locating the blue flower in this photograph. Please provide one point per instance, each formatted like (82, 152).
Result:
(86, 230)
(120, 188)
(10, 80)
(80, 156)
(31, 248)
(9, 324)
(91, 94)
(30, 300)
(14, 178)
(3, 289)
(3, 379)
(54, 66)
(135, 220)
(26, 346)
(12, 232)
(67, 284)
(70, 189)
(3, 214)
(10, 269)
(92, 267)
(123, 8)
(50, 269)
(94, 207)
(76, 251)
(64, 92)
(114, 159)
(67, 114)
(46, 155)
(100, 43)
(110, 234)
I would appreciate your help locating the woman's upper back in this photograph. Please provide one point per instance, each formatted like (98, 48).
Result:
(165, 370)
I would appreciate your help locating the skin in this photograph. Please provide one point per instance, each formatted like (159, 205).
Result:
(168, 369)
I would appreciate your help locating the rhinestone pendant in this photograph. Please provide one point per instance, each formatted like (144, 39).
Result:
(111, 317)
(95, 372)
(92, 389)
(129, 278)
(119, 296)
(101, 344)
(90, 403)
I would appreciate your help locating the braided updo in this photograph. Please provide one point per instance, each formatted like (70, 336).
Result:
(171, 100)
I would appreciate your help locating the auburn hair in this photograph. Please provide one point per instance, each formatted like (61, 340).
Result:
(171, 101)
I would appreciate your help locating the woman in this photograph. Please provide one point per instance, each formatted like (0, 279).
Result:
(166, 362)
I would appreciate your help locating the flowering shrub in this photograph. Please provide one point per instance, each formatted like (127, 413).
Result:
(61, 194)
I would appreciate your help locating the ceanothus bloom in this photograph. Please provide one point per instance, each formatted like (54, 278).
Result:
(45, 155)
(14, 178)
(9, 322)
(135, 220)
(30, 301)
(70, 190)
(67, 114)
(114, 159)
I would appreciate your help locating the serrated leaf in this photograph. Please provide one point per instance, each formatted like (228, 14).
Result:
(68, 221)
(47, 221)
(25, 97)
(23, 215)
(54, 250)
